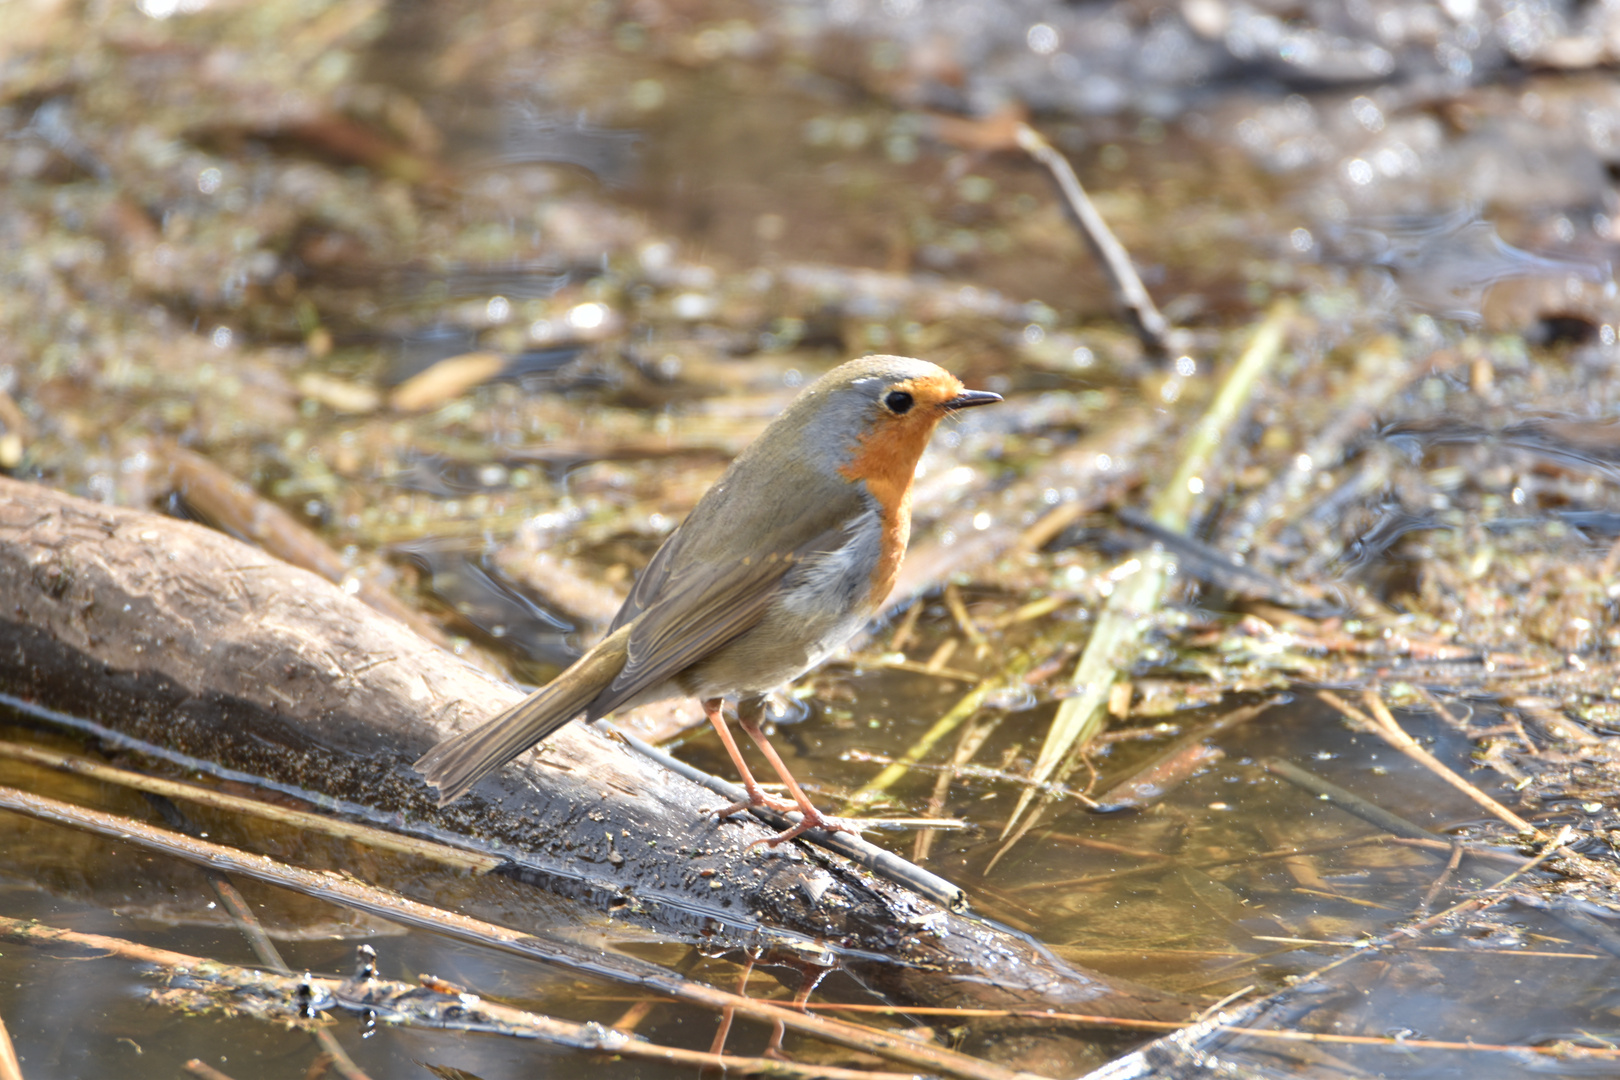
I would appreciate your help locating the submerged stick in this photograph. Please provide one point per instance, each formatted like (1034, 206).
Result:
(403, 1004)
(967, 745)
(236, 906)
(1179, 762)
(1348, 801)
(349, 892)
(1117, 636)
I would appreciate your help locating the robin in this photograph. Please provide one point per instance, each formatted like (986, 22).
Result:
(790, 553)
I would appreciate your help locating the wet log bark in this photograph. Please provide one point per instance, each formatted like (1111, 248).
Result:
(186, 639)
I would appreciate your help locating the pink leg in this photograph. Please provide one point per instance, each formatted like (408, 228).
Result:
(749, 713)
(756, 795)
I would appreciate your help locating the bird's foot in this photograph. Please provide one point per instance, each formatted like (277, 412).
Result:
(813, 819)
(756, 799)
(810, 818)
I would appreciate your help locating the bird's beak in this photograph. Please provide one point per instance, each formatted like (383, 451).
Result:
(969, 398)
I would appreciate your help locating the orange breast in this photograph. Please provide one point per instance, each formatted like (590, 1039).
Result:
(886, 459)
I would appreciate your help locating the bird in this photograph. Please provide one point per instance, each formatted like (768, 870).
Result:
(788, 555)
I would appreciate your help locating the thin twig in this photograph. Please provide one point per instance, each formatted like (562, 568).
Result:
(404, 1005)
(1602, 1054)
(885, 864)
(345, 890)
(979, 772)
(298, 820)
(1398, 738)
(1223, 1003)
(958, 714)
(1433, 702)
(941, 656)
(907, 628)
(1472, 951)
(1116, 638)
(1434, 846)
(1129, 292)
(1339, 896)
(921, 667)
(973, 737)
(1111, 848)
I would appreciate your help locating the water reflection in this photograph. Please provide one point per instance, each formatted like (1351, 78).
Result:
(1443, 265)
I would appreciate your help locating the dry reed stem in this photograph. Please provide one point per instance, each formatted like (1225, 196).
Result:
(965, 708)
(1392, 732)
(1263, 1033)
(1505, 954)
(1116, 638)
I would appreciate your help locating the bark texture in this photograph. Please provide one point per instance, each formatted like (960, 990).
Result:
(184, 638)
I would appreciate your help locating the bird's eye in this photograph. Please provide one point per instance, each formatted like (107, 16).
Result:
(897, 401)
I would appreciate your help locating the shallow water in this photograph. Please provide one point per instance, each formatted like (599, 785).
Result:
(676, 216)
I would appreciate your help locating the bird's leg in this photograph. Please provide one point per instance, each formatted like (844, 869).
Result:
(812, 977)
(750, 710)
(718, 1046)
(756, 795)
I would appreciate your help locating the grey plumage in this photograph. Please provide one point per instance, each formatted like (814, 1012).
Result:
(759, 583)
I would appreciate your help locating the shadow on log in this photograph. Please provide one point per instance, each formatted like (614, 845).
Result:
(201, 646)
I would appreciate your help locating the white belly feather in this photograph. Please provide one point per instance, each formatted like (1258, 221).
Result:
(823, 602)
(830, 590)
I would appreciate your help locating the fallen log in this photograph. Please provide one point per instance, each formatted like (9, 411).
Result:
(168, 633)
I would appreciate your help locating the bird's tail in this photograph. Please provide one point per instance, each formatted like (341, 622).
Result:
(460, 761)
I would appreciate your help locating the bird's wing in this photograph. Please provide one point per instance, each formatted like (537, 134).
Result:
(651, 581)
(700, 607)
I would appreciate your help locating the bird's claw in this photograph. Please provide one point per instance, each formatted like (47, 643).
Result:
(814, 819)
(781, 806)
